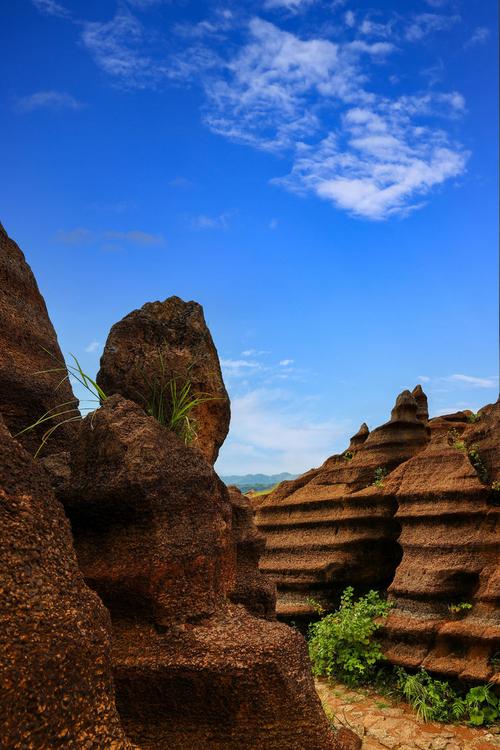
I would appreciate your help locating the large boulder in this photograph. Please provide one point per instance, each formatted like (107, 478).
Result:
(55, 670)
(333, 527)
(154, 534)
(28, 345)
(161, 341)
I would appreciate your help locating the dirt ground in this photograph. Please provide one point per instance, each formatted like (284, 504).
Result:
(384, 724)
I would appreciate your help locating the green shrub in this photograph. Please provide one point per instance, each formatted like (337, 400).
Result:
(436, 700)
(380, 474)
(459, 608)
(341, 644)
(477, 463)
(347, 455)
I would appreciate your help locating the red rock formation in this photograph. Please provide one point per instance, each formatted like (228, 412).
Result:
(332, 527)
(55, 671)
(251, 587)
(154, 537)
(450, 540)
(25, 333)
(164, 340)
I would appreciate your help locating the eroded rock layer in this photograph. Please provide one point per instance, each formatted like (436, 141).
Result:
(167, 342)
(55, 668)
(28, 345)
(446, 590)
(159, 538)
(333, 527)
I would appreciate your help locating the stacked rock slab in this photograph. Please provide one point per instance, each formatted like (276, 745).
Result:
(163, 342)
(55, 669)
(153, 530)
(448, 509)
(333, 527)
(28, 345)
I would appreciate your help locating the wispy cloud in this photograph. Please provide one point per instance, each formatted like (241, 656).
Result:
(92, 347)
(83, 236)
(424, 24)
(203, 221)
(51, 8)
(479, 36)
(473, 381)
(271, 89)
(54, 100)
(286, 362)
(273, 430)
(236, 368)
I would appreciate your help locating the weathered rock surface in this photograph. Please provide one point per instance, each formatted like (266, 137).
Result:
(450, 538)
(333, 527)
(55, 671)
(430, 525)
(251, 588)
(164, 340)
(160, 540)
(25, 333)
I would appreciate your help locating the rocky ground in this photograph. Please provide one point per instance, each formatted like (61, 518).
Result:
(384, 724)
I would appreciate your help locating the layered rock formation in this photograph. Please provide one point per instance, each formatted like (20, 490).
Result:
(28, 345)
(332, 527)
(197, 658)
(55, 669)
(154, 533)
(446, 591)
(161, 341)
(415, 502)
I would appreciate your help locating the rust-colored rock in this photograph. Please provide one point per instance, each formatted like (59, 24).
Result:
(333, 527)
(450, 539)
(55, 671)
(251, 588)
(158, 537)
(165, 340)
(25, 334)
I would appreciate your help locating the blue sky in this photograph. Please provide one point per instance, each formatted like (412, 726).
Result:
(321, 176)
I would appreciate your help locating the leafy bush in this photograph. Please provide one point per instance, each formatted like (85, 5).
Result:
(472, 418)
(477, 463)
(459, 608)
(341, 644)
(436, 700)
(347, 455)
(380, 474)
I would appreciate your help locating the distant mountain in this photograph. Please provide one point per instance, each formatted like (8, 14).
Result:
(247, 482)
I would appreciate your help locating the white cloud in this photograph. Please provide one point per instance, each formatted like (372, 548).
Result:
(427, 23)
(92, 347)
(424, 378)
(78, 236)
(349, 19)
(474, 381)
(211, 222)
(135, 237)
(237, 368)
(291, 5)
(273, 431)
(479, 36)
(55, 100)
(286, 362)
(51, 8)
(117, 47)
(254, 352)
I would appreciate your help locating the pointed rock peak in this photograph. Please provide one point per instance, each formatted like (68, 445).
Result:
(360, 437)
(421, 399)
(405, 408)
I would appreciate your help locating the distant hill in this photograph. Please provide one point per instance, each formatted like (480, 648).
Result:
(246, 482)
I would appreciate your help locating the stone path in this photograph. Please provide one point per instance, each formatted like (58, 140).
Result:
(384, 724)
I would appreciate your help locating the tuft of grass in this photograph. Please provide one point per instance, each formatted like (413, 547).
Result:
(67, 411)
(380, 475)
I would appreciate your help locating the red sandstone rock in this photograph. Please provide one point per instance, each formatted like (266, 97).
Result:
(159, 539)
(55, 672)
(332, 527)
(25, 333)
(451, 542)
(177, 329)
(251, 588)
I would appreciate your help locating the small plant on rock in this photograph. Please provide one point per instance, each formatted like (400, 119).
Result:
(477, 463)
(472, 418)
(342, 644)
(432, 699)
(459, 608)
(347, 455)
(380, 474)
